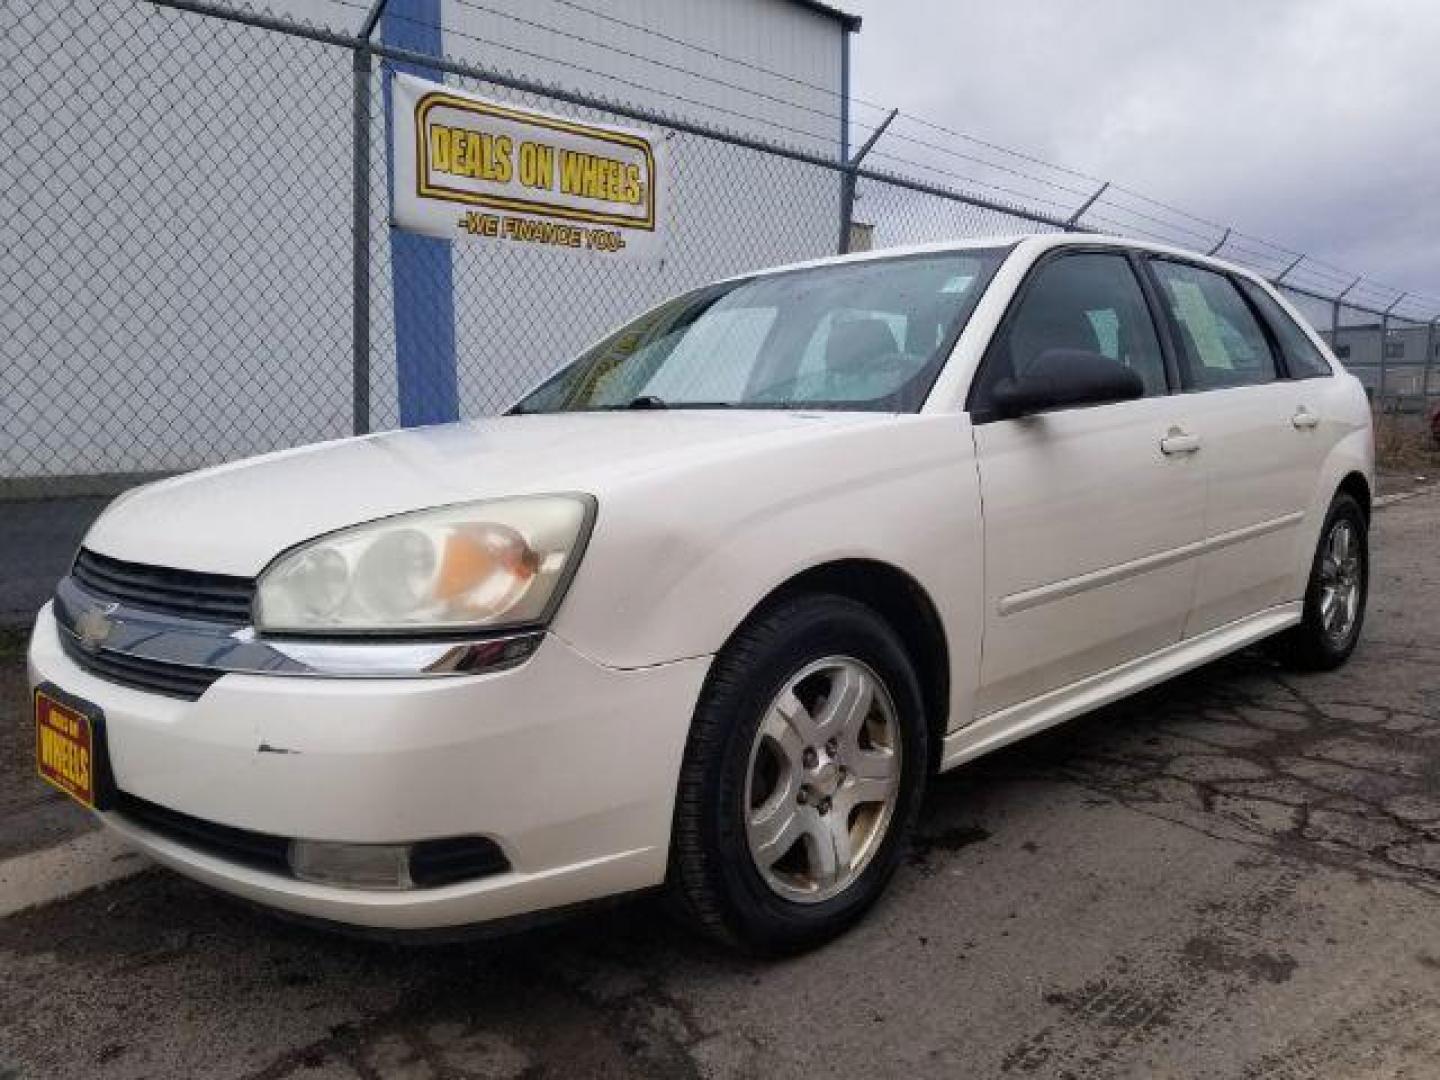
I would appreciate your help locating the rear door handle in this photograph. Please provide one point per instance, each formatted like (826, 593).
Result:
(1179, 442)
(1304, 419)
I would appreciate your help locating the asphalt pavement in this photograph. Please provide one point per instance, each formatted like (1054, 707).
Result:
(1233, 875)
(38, 538)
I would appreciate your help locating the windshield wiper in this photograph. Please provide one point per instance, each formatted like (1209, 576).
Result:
(650, 401)
(653, 401)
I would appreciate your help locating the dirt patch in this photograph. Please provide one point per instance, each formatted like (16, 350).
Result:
(1404, 446)
(1228, 958)
(926, 844)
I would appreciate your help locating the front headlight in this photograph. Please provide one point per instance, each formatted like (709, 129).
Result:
(503, 562)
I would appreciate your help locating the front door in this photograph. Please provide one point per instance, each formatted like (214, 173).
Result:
(1088, 512)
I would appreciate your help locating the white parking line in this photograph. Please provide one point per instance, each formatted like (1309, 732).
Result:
(42, 877)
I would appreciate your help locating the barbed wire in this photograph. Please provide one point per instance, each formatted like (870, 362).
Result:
(203, 307)
(1114, 208)
(951, 152)
(664, 65)
(962, 179)
(750, 65)
(669, 95)
(1257, 249)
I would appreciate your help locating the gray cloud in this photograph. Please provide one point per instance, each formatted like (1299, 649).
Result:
(1309, 122)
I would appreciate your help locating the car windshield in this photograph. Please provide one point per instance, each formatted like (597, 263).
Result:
(868, 335)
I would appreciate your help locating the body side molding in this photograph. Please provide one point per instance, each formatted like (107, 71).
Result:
(1058, 590)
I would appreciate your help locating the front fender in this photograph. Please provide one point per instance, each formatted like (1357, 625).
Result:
(679, 559)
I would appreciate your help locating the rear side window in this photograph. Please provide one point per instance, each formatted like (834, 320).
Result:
(1302, 359)
(1221, 343)
(1088, 302)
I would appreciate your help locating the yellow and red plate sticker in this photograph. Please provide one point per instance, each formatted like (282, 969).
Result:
(65, 748)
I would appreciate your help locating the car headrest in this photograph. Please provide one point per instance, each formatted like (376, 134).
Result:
(855, 343)
(1065, 329)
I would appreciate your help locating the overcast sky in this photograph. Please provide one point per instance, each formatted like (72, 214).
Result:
(1314, 123)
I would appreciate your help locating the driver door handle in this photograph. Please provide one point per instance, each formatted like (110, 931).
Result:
(1304, 419)
(1179, 442)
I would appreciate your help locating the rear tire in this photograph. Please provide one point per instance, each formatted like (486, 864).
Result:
(802, 777)
(1336, 594)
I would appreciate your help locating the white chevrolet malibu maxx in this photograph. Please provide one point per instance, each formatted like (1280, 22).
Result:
(708, 606)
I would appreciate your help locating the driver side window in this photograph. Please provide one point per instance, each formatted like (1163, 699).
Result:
(1086, 302)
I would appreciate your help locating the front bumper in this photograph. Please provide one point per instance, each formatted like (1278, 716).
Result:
(570, 766)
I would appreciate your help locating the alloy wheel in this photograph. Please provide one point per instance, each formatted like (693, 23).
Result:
(1341, 579)
(823, 779)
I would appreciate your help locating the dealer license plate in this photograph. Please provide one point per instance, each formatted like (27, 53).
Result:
(67, 746)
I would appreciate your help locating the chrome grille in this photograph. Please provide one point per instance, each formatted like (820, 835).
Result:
(139, 673)
(187, 594)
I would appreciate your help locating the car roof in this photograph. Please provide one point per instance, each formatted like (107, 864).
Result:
(1032, 244)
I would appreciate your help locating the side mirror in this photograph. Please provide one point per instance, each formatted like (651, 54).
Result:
(1064, 378)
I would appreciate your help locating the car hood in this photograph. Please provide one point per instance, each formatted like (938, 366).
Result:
(235, 518)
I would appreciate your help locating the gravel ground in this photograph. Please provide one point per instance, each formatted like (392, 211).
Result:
(1233, 875)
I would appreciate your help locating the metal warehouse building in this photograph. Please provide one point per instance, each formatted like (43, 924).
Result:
(176, 201)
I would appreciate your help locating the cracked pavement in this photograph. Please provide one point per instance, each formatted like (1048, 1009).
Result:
(1236, 874)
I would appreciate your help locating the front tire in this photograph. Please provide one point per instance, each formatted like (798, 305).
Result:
(802, 776)
(1336, 594)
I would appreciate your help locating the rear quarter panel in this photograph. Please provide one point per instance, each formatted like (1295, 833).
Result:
(1346, 414)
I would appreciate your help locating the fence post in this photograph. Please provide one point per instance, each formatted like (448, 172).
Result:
(847, 209)
(847, 183)
(360, 226)
(1286, 272)
(1074, 219)
(1385, 347)
(1380, 377)
(360, 249)
(1429, 358)
(1335, 315)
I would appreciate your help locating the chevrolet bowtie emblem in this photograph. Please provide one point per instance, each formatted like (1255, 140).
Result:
(94, 625)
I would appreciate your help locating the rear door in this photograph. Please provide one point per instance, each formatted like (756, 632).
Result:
(1087, 516)
(1260, 442)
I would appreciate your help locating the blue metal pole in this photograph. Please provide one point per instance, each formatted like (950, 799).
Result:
(422, 277)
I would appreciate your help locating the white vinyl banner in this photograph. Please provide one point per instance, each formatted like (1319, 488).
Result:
(466, 166)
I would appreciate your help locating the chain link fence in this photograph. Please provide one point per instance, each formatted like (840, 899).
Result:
(731, 209)
(198, 262)
(175, 280)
